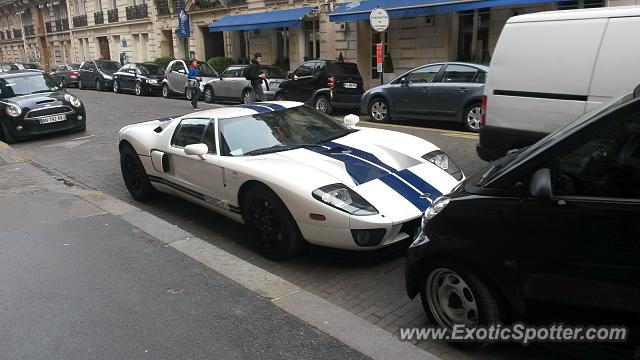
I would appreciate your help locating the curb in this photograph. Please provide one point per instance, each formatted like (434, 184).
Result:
(331, 319)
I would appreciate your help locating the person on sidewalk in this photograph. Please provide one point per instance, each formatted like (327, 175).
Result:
(194, 83)
(256, 77)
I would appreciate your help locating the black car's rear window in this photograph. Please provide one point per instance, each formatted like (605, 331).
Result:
(343, 69)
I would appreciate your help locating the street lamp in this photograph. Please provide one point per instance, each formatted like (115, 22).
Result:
(24, 38)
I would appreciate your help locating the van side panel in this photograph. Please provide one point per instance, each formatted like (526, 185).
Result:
(617, 70)
(549, 66)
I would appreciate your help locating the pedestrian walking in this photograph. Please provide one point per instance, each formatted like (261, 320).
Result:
(257, 77)
(194, 83)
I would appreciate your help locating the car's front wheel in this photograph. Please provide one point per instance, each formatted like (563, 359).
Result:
(323, 104)
(188, 92)
(139, 89)
(379, 111)
(116, 86)
(453, 294)
(247, 96)
(275, 232)
(208, 95)
(165, 91)
(134, 174)
(471, 117)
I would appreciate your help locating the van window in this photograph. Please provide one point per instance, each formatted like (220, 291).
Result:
(459, 74)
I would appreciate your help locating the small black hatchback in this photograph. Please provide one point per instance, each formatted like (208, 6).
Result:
(545, 234)
(325, 85)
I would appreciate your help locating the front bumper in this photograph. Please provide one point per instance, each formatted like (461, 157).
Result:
(154, 88)
(27, 128)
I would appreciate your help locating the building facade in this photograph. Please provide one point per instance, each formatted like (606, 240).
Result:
(59, 31)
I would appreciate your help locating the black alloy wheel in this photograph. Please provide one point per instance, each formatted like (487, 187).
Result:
(134, 175)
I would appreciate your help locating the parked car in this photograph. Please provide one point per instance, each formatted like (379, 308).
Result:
(449, 91)
(531, 94)
(324, 84)
(66, 75)
(234, 87)
(293, 175)
(141, 78)
(175, 80)
(33, 104)
(550, 232)
(19, 66)
(97, 74)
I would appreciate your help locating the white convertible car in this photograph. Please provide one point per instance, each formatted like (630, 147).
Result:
(291, 174)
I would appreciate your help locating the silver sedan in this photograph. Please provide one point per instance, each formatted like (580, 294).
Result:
(233, 87)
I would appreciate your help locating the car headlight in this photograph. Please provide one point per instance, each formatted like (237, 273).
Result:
(441, 160)
(73, 100)
(435, 208)
(342, 198)
(152, 81)
(13, 110)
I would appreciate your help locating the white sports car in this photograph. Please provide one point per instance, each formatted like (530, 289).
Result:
(291, 174)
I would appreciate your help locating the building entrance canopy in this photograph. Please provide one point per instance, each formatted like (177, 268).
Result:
(263, 20)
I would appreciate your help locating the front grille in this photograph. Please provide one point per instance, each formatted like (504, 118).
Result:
(54, 110)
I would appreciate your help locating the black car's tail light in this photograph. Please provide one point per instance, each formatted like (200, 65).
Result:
(331, 82)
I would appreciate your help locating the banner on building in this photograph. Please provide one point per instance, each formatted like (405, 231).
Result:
(184, 28)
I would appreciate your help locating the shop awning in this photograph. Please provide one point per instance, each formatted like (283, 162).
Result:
(360, 10)
(263, 20)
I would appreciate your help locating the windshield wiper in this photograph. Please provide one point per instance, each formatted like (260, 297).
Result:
(277, 148)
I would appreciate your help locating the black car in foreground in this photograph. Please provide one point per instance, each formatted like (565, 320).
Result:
(141, 78)
(325, 85)
(546, 234)
(31, 104)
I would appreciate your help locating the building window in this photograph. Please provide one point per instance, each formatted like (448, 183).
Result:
(80, 7)
(580, 4)
(312, 39)
(98, 5)
(473, 35)
(377, 38)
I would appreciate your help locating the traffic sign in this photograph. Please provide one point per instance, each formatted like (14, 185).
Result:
(379, 57)
(379, 19)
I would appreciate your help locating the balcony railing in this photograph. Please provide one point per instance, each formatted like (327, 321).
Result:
(98, 17)
(29, 30)
(80, 20)
(112, 15)
(137, 12)
(17, 33)
(49, 26)
(61, 25)
(162, 6)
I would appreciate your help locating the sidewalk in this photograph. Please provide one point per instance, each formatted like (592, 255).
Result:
(88, 276)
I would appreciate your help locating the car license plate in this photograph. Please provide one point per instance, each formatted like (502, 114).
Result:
(52, 119)
(350, 85)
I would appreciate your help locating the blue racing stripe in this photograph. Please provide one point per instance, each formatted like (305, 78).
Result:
(362, 154)
(258, 108)
(276, 107)
(405, 191)
(360, 171)
(419, 183)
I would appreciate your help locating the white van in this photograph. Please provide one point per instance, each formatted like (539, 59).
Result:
(549, 68)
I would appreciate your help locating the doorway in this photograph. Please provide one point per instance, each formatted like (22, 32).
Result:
(213, 43)
(103, 44)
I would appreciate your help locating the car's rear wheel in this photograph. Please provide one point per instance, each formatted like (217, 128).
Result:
(116, 86)
(471, 117)
(379, 111)
(134, 175)
(247, 96)
(165, 91)
(280, 97)
(453, 294)
(139, 89)
(188, 92)
(208, 95)
(5, 135)
(80, 85)
(323, 104)
(275, 232)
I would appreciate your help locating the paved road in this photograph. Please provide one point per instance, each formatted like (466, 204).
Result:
(371, 287)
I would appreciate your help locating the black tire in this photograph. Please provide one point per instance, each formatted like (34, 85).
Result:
(463, 289)
(209, 96)
(273, 229)
(166, 93)
(379, 110)
(116, 86)
(134, 175)
(471, 117)
(80, 85)
(323, 104)
(63, 83)
(247, 96)
(139, 89)
(5, 135)
(99, 86)
(188, 93)
(280, 97)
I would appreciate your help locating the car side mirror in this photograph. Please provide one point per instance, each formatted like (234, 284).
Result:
(351, 120)
(290, 75)
(540, 187)
(200, 150)
(403, 81)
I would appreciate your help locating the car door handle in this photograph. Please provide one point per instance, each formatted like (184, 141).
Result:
(463, 90)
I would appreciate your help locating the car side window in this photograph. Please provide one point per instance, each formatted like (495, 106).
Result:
(320, 68)
(61, 68)
(92, 67)
(232, 73)
(605, 164)
(209, 138)
(176, 66)
(305, 69)
(481, 78)
(132, 69)
(191, 131)
(459, 74)
(424, 75)
(84, 66)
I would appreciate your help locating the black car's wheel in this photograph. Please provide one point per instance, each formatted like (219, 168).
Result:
(280, 97)
(274, 230)
(139, 89)
(134, 175)
(99, 86)
(471, 117)
(80, 85)
(247, 96)
(5, 135)
(63, 83)
(165, 91)
(208, 95)
(322, 104)
(379, 110)
(453, 294)
(116, 86)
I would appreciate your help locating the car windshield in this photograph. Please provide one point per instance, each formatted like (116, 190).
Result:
(5, 67)
(150, 69)
(205, 69)
(25, 85)
(273, 72)
(108, 65)
(278, 131)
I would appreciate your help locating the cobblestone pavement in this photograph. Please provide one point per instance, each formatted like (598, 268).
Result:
(369, 286)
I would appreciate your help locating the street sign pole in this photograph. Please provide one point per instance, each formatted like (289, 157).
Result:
(379, 20)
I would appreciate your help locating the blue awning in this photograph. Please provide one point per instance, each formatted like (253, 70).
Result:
(263, 20)
(360, 10)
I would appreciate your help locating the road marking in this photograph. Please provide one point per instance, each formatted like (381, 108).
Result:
(82, 137)
(461, 135)
(67, 144)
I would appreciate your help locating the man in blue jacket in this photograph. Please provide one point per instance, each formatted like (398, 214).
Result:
(194, 83)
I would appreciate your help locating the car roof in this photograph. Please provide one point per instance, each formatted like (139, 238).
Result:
(479, 66)
(19, 73)
(244, 110)
(577, 14)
